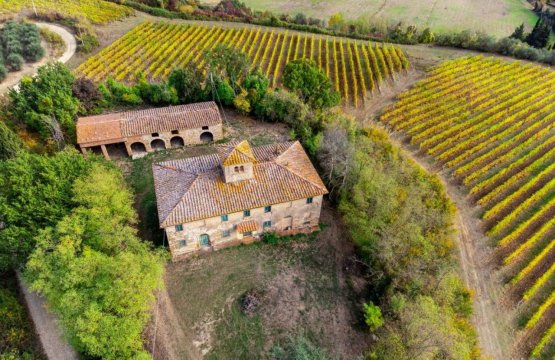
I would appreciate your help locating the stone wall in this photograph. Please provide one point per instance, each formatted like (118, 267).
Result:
(137, 146)
(286, 219)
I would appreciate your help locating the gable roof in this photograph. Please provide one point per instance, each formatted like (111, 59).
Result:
(193, 188)
(115, 127)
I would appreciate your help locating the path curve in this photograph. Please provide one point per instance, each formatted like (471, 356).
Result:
(69, 39)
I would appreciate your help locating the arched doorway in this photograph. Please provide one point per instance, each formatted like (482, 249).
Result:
(138, 148)
(206, 137)
(177, 142)
(158, 144)
(204, 240)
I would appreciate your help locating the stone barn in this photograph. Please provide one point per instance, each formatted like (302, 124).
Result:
(235, 195)
(134, 133)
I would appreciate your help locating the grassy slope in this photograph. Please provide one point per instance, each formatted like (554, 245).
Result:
(498, 17)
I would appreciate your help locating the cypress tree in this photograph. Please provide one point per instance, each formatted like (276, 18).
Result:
(519, 33)
(539, 36)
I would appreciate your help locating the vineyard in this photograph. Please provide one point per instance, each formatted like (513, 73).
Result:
(493, 124)
(356, 69)
(96, 11)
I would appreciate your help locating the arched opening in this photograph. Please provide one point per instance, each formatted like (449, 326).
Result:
(177, 142)
(204, 240)
(206, 137)
(158, 144)
(138, 148)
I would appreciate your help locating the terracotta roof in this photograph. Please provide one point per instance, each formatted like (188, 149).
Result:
(236, 153)
(115, 127)
(193, 188)
(246, 226)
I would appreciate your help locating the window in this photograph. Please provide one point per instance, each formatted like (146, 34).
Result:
(205, 128)
(236, 169)
(181, 243)
(267, 209)
(309, 200)
(225, 217)
(246, 213)
(226, 233)
(248, 233)
(179, 227)
(155, 134)
(266, 224)
(175, 132)
(241, 168)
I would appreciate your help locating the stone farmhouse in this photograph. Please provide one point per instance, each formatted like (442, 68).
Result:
(134, 133)
(235, 195)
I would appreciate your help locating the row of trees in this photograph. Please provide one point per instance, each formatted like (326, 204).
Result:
(538, 38)
(20, 42)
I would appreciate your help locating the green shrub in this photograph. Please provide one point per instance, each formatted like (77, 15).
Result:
(225, 93)
(87, 42)
(15, 61)
(3, 72)
(10, 143)
(299, 348)
(242, 103)
(372, 316)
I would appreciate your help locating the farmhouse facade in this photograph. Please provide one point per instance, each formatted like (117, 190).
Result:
(134, 133)
(235, 195)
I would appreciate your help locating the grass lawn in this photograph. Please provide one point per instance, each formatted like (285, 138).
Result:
(496, 17)
(303, 290)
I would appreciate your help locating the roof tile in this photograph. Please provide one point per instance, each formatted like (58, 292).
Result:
(193, 188)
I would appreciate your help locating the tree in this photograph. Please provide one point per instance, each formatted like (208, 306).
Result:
(256, 85)
(35, 192)
(310, 83)
(224, 92)
(336, 21)
(519, 33)
(228, 64)
(300, 19)
(336, 158)
(426, 37)
(189, 83)
(539, 37)
(372, 316)
(87, 92)
(45, 99)
(10, 143)
(156, 94)
(282, 106)
(96, 274)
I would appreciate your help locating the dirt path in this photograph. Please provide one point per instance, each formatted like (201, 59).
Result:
(13, 78)
(166, 335)
(50, 335)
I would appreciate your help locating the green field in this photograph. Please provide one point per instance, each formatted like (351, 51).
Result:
(496, 17)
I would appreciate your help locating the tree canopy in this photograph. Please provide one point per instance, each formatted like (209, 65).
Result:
(45, 100)
(10, 143)
(35, 192)
(310, 83)
(94, 271)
